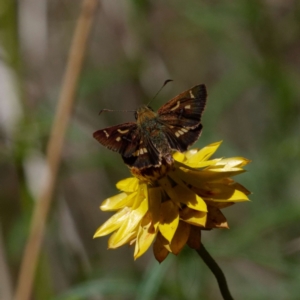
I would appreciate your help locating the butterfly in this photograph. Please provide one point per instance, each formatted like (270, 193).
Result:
(151, 140)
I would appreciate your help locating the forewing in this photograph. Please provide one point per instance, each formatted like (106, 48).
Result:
(185, 110)
(146, 155)
(123, 138)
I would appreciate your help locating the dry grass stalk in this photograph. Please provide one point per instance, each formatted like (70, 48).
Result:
(54, 149)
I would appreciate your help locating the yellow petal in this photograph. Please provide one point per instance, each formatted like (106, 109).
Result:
(179, 156)
(167, 186)
(220, 205)
(169, 220)
(241, 188)
(215, 218)
(114, 242)
(229, 171)
(221, 192)
(233, 162)
(174, 176)
(113, 223)
(181, 194)
(198, 178)
(188, 197)
(118, 201)
(159, 248)
(203, 154)
(154, 202)
(231, 183)
(149, 225)
(129, 226)
(180, 238)
(146, 234)
(193, 217)
(128, 185)
(190, 153)
(238, 196)
(142, 193)
(202, 164)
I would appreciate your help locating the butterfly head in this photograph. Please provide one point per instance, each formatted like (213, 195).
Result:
(143, 114)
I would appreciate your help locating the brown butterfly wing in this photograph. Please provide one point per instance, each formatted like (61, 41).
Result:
(123, 138)
(180, 139)
(181, 117)
(185, 110)
(136, 150)
(146, 155)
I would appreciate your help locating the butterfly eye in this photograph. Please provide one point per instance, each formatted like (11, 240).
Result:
(136, 115)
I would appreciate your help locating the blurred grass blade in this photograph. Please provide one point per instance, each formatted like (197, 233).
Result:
(54, 149)
(153, 279)
(103, 287)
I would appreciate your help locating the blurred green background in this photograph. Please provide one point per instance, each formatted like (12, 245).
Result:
(247, 52)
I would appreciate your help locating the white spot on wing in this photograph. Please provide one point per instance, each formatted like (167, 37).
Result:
(140, 152)
(192, 95)
(123, 131)
(177, 105)
(107, 135)
(180, 132)
(118, 139)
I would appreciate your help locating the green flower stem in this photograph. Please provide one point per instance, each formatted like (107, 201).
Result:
(213, 266)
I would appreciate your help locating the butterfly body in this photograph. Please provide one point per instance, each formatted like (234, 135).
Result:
(153, 130)
(151, 140)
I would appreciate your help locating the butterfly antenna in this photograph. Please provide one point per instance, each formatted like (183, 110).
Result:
(103, 110)
(165, 83)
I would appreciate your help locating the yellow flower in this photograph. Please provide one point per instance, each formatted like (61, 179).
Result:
(174, 207)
